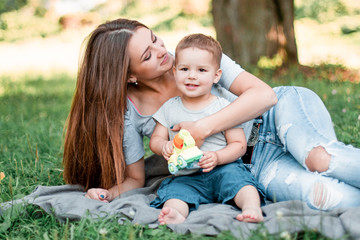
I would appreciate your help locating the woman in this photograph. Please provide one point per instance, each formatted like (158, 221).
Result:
(125, 76)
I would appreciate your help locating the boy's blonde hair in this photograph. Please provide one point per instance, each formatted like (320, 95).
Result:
(202, 42)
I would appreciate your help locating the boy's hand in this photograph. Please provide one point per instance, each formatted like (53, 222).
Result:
(209, 161)
(167, 150)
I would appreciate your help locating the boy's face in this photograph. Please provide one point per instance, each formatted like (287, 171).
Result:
(195, 72)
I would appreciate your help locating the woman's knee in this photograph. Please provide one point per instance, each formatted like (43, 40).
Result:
(318, 160)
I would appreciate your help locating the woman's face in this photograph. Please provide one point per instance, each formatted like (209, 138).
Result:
(149, 58)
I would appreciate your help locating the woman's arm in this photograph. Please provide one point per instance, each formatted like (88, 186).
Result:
(134, 178)
(255, 98)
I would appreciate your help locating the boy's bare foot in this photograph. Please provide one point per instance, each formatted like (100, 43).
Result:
(170, 216)
(252, 215)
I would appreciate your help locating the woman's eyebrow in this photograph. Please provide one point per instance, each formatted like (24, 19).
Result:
(148, 46)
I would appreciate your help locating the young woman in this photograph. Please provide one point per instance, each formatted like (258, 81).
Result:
(126, 75)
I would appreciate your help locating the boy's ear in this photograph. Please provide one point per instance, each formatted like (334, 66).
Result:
(132, 79)
(174, 69)
(218, 74)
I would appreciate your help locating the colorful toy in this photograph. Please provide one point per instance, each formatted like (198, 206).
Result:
(185, 154)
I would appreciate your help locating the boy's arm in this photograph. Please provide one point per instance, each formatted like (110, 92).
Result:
(235, 148)
(159, 137)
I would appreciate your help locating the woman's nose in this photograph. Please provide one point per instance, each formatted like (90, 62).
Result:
(161, 50)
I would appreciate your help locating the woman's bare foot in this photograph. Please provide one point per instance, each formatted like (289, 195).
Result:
(252, 215)
(170, 216)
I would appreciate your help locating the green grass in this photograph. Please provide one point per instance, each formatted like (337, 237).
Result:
(33, 111)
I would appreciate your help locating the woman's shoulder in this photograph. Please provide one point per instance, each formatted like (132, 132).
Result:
(144, 124)
(230, 70)
(133, 113)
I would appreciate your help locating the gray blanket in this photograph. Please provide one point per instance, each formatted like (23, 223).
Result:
(68, 201)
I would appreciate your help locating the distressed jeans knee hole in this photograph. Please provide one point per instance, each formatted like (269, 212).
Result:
(323, 197)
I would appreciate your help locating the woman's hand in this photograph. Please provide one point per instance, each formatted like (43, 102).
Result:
(100, 194)
(167, 150)
(209, 161)
(197, 129)
(135, 178)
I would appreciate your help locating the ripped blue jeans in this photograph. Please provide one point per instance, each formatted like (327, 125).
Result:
(298, 123)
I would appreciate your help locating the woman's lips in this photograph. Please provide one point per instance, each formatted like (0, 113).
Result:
(165, 59)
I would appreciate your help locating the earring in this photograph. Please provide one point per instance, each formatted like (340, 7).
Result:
(135, 83)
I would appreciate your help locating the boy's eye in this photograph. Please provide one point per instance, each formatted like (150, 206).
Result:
(183, 69)
(155, 39)
(202, 70)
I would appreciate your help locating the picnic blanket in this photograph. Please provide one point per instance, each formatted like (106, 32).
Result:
(69, 202)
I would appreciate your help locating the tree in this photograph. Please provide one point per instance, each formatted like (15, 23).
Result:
(249, 29)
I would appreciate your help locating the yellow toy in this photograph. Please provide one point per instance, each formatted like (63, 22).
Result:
(185, 154)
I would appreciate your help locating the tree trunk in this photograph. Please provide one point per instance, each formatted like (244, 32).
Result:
(249, 29)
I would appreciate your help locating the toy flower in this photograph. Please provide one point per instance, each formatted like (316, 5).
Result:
(2, 176)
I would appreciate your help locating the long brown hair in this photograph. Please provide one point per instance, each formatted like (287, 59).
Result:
(93, 150)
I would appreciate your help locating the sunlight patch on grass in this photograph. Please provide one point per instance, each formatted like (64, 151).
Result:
(325, 43)
(272, 63)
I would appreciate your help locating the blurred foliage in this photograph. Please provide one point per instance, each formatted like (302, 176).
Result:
(27, 22)
(346, 29)
(14, 28)
(34, 20)
(11, 5)
(321, 11)
(180, 14)
(78, 20)
(22, 19)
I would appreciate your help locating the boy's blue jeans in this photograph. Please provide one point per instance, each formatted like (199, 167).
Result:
(219, 185)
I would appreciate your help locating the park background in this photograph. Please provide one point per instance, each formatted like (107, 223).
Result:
(40, 45)
(32, 38)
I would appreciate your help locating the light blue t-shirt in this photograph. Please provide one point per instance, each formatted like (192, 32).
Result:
(137, 125)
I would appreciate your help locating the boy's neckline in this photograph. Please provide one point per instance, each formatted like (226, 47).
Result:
(189, 105)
